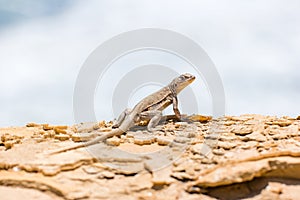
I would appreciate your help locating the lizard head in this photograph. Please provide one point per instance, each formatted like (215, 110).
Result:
(182, 81)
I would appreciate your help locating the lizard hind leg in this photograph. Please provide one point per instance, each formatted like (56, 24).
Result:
(154, 116)
(121, 118)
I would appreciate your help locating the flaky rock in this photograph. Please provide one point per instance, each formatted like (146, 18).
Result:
(233, 157)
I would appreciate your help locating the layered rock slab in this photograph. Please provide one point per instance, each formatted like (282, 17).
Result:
(248, 156)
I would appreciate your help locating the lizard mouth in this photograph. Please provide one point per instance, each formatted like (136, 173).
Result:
(192, 79)
(189, 78)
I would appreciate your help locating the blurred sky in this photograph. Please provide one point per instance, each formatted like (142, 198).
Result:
(255, 46)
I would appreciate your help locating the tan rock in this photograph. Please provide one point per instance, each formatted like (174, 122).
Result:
(255, 136)
(33, 125)
(162, 177)
(9, 144)
(114, 141)
(182, 140)
(239, 171)
(242, 130)
(47, 127)
(240, 118)
(200, 118)
(249, 145)
(61, 127)
(143, 139)
(51, 133)
(106, 175)
(226, 145)
(227, 138)
(280, 122)
(59, 131)
(92, 170)
(83, 137)
(229, 123)
(86, 127)
(198, 148)
(161, 140)
(218, 152)
(62, 137)
(218, 159)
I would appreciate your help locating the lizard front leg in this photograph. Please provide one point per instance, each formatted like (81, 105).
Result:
(175, 107)
(172, 88)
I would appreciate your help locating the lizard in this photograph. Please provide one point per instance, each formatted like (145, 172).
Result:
(150, 107)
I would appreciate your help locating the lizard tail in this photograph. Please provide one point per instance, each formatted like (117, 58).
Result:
(112, 133)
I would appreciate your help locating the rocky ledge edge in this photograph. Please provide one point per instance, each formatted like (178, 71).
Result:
(233, 157)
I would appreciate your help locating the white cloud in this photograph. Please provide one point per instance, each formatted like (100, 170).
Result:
(254, 44)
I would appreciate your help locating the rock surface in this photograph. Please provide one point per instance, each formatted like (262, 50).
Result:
(234, 157)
